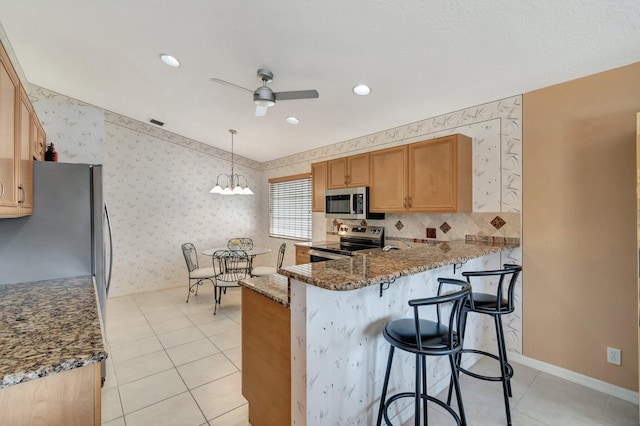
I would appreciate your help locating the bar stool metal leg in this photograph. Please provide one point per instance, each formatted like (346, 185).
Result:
(385, 385)
(506, 380)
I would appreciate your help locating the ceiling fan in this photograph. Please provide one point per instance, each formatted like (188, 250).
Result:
(264, 97)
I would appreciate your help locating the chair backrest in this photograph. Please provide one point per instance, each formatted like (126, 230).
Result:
(450, 317)
(230, 265)
(190, 256)
(510, 273)
(283, 247)
(240, 244)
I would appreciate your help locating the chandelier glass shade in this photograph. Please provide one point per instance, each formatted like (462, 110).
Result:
(235, 184)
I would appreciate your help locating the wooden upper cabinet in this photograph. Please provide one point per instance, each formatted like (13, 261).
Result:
(430, 176)
(17, 141)
(25, 181)
(337, 173)
(358, 170)
(388, 180)
(348, 171)
(318, 185)
(39, 138)
(440, 175)
(9, 153)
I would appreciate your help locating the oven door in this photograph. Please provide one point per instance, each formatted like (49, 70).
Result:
(321, 256)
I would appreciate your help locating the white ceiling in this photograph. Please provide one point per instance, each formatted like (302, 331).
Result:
(421, 57)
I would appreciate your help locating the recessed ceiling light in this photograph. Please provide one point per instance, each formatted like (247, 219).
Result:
(361, 90)
(169, 60)
(292, 120)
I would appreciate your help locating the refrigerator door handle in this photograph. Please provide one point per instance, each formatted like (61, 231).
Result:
(106, 214)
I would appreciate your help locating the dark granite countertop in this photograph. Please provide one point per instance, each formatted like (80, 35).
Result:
(275, 287)
(47, 327)
(370, 267)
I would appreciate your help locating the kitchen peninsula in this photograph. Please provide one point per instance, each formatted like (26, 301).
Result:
(337, 310)
(51, 345)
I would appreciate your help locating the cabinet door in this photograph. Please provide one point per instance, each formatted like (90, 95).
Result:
(435, 183)
(337, 173)
(39, 138)
(318, 185)
(25, 182)
(302, 255)
(387, 180)
(358, 170)
(8, 142)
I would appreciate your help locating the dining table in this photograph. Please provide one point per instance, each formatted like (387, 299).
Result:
(251, 253)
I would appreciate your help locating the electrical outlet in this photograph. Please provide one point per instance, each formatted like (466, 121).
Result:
(613, 356)
(431, 232)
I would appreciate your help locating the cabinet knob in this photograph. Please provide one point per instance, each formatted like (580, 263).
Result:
(24, 197)
(409, 201)
(1, 188)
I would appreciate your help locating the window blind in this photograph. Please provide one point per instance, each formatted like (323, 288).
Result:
(290, 207)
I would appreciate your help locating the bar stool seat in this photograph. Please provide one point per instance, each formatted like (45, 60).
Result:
(496, 305)
(428, 338)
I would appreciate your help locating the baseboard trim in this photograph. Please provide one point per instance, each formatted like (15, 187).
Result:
(572, 376)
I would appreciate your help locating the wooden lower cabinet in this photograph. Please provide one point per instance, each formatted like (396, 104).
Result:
(266, 359)
(67, 398)
(302, 255)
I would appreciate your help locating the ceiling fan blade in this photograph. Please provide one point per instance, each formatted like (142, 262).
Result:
(297, 94)
(226, 83)
(261, 110)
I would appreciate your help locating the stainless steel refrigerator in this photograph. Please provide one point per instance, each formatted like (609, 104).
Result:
(69, 233)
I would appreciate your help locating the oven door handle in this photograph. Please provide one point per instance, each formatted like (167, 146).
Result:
(327, 255)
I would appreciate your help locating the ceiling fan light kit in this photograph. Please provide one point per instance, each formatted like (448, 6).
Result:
(233, 185)
(264, 97)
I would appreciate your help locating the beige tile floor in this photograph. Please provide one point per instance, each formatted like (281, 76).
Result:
(174, 363)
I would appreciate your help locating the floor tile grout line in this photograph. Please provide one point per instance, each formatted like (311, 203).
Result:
(156, 335)
(190, 390)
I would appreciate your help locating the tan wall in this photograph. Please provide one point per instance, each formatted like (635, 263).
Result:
(579, 224)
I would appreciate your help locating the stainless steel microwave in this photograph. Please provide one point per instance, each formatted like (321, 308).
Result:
(349, 203)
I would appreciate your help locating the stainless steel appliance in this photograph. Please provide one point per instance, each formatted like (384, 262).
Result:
(349, 203)
(352, 239)
(69, 233)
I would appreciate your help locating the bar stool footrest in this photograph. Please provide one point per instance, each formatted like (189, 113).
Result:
(412, 395)
(481, 376)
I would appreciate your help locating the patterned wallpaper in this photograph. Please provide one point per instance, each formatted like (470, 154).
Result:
(135, 152)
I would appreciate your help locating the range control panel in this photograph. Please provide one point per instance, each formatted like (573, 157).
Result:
(373, 232)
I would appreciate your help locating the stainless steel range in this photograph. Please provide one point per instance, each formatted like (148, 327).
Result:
(352, 238)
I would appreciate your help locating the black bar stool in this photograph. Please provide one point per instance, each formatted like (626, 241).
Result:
(496, 305)
(428, 338)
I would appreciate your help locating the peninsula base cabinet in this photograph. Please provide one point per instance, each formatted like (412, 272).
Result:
(70, 398)
(266, 359)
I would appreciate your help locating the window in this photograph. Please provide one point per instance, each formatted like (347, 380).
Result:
(290, 207)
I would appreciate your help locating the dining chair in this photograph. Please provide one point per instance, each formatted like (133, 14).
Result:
(196, 274)
(242, 244)
(261, 271)
(229, 267)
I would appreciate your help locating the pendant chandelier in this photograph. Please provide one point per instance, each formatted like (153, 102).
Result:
(233, 183)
